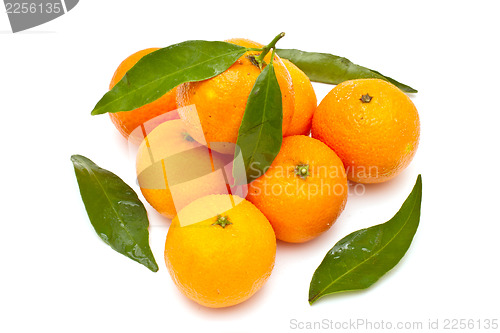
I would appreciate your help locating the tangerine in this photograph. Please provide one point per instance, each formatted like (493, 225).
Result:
(221, 101)
(220, 250)
(373, 127)
(173, 169)
(305, 101)
(303, 192)
(154, 113)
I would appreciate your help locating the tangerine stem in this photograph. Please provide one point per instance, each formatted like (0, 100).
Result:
(268, 47)
(223, 221)
(302, 171)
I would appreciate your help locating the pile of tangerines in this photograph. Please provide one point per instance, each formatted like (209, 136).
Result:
(220, 247)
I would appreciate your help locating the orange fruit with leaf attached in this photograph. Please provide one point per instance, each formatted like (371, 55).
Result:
(129, 123)
(220, 101)
(174, 170)
(304, 95)
(373, 127)
(220, 250)
(305, 101)
(303, 192)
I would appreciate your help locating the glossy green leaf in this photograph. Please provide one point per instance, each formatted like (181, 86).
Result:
(115, 211)
(260, 132)
(328, 68)
(358, 260)
(160, 71)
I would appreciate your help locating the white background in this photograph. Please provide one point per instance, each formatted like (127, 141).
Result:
(58, 276)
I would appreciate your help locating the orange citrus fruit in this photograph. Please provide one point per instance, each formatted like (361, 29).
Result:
(173, 169)
(156, 112)
(303, 192)
(220, 250)
(305, 101)
(220, 101)
(373, 127)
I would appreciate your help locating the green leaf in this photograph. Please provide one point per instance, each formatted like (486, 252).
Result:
(115, 211)
(160, 71)
(328, 68)
(260, 132)
(358, 260)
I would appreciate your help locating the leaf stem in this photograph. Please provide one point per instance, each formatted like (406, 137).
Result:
(272, 56)
(254, 48)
